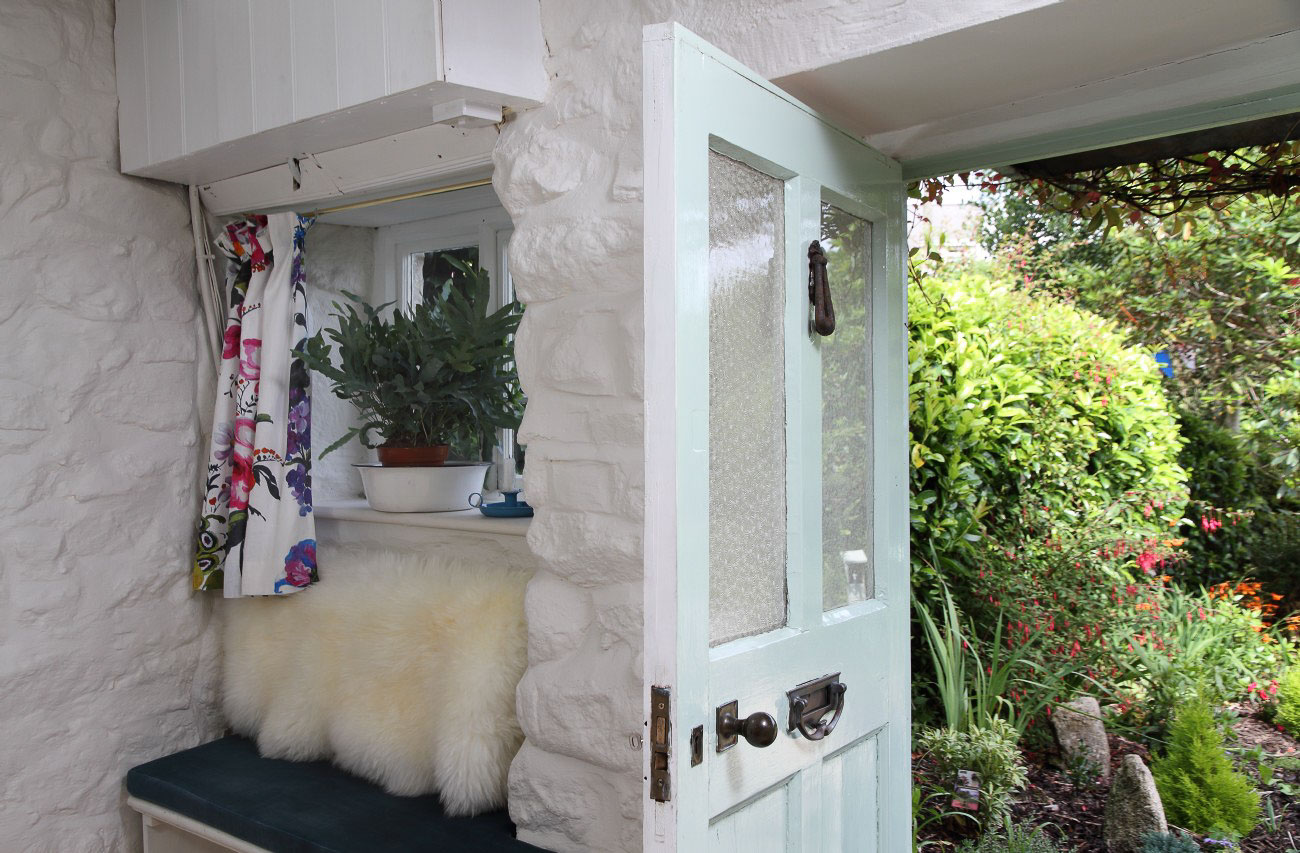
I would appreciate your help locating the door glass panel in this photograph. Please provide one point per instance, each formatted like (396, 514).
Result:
(747, 489)
(847, 573)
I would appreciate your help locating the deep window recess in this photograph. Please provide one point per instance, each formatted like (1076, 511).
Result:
(410, 259)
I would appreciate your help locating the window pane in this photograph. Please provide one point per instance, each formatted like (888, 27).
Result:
(747, 489)
(431, 270)
(847, 573)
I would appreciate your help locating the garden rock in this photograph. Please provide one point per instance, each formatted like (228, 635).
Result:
(1133, 807)
(1082, 737)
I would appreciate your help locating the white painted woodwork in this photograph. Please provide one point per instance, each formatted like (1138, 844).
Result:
(169, 831)
(430, 156)
(849, 791)
(952, 97)
(211, 90)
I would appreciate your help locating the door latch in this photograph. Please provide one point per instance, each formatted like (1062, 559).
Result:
(661, 787)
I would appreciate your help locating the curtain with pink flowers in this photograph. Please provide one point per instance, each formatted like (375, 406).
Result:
(257, 534)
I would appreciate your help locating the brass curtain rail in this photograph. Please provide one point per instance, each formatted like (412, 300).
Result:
(357, 205)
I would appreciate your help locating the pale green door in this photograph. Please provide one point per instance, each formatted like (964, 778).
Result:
(776, 488)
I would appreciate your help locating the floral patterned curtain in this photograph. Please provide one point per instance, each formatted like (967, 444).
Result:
(257, 534)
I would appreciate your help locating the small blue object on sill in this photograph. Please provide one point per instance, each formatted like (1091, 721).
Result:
(511, 507)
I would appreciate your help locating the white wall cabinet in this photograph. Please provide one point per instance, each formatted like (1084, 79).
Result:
(212, 90)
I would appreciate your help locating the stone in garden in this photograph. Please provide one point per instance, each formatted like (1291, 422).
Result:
(1133, 807)
(1082, 736)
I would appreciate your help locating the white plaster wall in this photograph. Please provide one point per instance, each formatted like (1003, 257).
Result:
(570, 175)
(339, 258)
(106, 658)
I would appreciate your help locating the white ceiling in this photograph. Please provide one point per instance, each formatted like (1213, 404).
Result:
(1055, 67)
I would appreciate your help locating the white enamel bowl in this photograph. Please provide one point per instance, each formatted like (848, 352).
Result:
(435, 488)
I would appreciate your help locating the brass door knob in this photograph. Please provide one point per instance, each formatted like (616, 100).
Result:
(758, 729)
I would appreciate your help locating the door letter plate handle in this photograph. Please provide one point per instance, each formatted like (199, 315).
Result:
(811, 701)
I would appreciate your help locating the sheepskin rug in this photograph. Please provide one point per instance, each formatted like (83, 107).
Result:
(400, 668)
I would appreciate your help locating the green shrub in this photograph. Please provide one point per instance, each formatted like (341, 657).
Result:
(1014, 394)
(1178, 644)
(1012, 839)
(1217, 463)
(990, 751)
(1198, 785)
(1287, 714)
(1165, 842)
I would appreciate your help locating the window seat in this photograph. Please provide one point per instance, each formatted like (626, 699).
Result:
(250, 803)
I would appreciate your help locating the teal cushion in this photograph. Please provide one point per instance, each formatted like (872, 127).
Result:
(307, 806)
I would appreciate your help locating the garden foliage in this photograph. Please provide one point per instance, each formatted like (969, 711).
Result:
(989, 750)
(1013, 394)
(1288, 701)
(1177, 645)
(1167, 842)
(1198, 785)
(1011, 839)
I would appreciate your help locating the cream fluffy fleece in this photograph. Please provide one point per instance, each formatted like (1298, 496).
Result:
(401, 668)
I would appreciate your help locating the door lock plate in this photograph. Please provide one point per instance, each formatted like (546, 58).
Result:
(661, 787)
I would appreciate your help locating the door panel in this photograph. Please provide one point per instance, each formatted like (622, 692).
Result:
(776, 504)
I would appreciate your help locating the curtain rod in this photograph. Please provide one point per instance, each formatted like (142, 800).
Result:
(357, 205)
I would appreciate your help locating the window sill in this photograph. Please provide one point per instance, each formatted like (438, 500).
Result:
(470, 520)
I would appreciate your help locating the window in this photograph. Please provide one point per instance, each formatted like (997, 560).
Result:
(409, 258)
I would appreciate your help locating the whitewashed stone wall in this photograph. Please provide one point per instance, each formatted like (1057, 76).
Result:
(106, 659)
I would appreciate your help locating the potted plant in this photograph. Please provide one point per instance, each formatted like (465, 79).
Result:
(426, 382)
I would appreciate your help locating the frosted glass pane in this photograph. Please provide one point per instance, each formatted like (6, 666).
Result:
(847, 573)
(747, 591)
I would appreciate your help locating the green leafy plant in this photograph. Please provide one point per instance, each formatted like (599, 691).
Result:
(976, 689)
(1167, 842)
(1012, 839)
(1198, 785)
(1288, 700)
(442, 373)
(989, 750)
(926, 812)
(1177, 644)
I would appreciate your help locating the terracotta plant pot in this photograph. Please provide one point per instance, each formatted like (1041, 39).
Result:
(412, 457)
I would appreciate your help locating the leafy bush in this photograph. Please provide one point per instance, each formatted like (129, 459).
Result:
(1288, 701)
(1165, 842)
(1217, 463)
(990, 751)
(1179, 644)
(1198, 785)
(1013, 394)
(442, 373)
(1012, 839)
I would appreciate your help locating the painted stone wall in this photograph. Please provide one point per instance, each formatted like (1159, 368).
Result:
(106, 659)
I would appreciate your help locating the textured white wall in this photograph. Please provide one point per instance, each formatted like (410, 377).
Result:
(339, 258)
(106, 658)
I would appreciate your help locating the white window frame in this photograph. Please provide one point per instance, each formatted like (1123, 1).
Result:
(489, 228)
